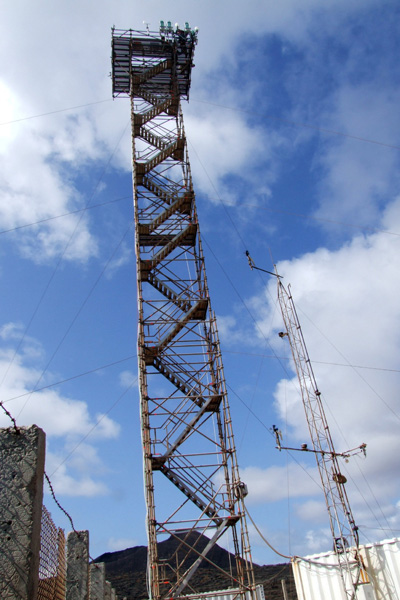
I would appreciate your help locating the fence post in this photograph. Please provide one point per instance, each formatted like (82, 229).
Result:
(78, 565)
(97, 573)
(284, 590)
(22, 453)
(107, 595)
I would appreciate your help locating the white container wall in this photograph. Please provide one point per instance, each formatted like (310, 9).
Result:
(382, 562)
(318, 576)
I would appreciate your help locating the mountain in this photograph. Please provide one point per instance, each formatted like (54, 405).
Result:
(126, 570)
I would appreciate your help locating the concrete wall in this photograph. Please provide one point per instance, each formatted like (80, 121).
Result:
(97, 581)
(107, 595)
(78, 565)
(22, 458)
(100, 588)
(22, 455)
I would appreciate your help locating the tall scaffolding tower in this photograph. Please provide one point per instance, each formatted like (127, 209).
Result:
(191, 476)
(343, 527)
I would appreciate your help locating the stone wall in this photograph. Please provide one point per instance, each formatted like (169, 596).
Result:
(22, 458)
(78, 565)
(22, 455)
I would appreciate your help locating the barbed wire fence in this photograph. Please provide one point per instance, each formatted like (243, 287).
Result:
(52, 563)
(52, 554)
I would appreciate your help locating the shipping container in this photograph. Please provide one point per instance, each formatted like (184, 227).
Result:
(317, 576)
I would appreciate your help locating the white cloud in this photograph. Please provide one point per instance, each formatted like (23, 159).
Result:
(10, 331)
(35, 188)
(271, 484)
(84, 457)
(221, 143)
(58, 415)
(65, 484)
(41, 157)
(66, 421)
(115, 544)
(350, 294)
(347, 302)
(357, 177)
(128, 379)
(312, 510)
(123, 257)
(230, 330)
(318, 538)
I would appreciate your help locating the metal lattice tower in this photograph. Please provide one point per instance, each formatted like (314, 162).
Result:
(192, 483)
(342, 524)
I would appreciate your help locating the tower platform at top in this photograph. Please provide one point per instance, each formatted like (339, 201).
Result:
(154, 63)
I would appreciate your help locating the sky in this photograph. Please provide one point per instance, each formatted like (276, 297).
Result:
(293, 131)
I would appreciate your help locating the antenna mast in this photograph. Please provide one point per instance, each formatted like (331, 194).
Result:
(191, 476)
(343, 528)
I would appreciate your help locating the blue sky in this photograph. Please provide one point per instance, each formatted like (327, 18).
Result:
(293, 131)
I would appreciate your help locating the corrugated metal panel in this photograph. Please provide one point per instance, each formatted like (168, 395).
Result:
(317, 576)
(382, 562)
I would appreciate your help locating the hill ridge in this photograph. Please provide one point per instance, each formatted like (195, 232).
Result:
(126, 570)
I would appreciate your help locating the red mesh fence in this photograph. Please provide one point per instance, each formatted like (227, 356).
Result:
(52, 567)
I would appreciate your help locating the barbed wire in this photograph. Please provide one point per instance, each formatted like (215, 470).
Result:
(9, 415)
(58, 503)
(63, 510)
(49, 483)
(17, 430)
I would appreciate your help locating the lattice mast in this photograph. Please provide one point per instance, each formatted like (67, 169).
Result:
(342, 524)
(191, 475)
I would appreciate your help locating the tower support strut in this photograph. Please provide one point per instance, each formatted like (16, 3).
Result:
(192, 484)
(343, 528)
